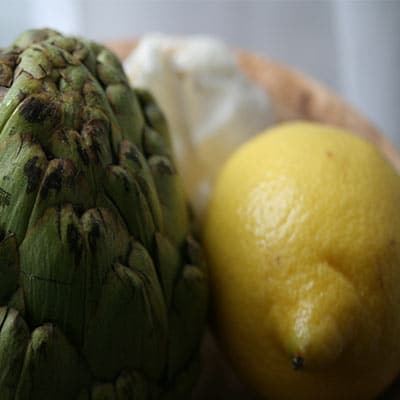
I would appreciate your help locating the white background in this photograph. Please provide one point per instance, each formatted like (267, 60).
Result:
(352, 46)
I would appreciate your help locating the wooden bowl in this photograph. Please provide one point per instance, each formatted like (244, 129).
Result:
(294, 96)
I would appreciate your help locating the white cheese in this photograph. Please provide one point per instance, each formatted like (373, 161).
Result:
(209, 103)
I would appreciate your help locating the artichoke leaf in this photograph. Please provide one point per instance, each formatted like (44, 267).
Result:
(109, 74)
(71, 106)
(188, 312)
(39, 114)
(123, 190)
(17, 301)
(138, 338)
(40, 379)
(32, 36)
(85, 108)
(23, 165)
(35, 62)
(72, 79)
(133, 161)
(62, 183)
(9, 267)
(153, 115)
(21, 87)
(126, 106)
(172, 198)
(95, 100)
(54, 269)
(141, 263)
(80, 49)
(107, 240)
(55, 56)
(69, 144)
(14, 338)
(96, 129)
(168, 264)
(105, 57)
(154, 143)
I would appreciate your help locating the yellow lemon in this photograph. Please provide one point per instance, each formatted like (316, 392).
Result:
(303, 238)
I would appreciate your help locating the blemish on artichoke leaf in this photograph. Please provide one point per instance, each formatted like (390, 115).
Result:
(33, 174)
(35, 110)
(74, 240)
(164, 167)
(94, 235)
(133, 156)
(82, 153)
(53, 181)
(43, 69)
(5, 198)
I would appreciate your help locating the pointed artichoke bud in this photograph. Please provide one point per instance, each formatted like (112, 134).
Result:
(101, 293)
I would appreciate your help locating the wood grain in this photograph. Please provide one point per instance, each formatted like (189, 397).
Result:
(294, 96)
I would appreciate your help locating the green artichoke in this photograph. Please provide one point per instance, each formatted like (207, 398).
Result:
(103, 290)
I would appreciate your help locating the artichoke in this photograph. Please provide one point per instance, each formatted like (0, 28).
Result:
(103, 290)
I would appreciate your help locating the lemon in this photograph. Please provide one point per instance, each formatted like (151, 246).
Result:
(303, 238)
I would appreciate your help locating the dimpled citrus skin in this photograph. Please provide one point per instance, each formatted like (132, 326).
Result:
(303, 237)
